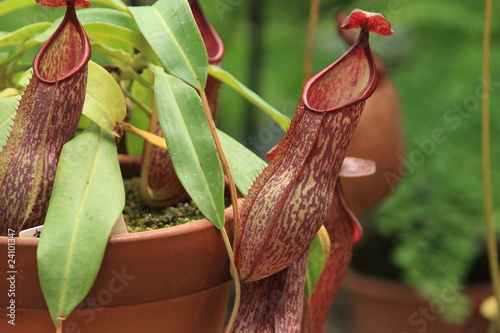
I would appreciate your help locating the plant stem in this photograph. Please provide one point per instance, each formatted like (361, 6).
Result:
(486, 157)
(135, 76)
(146, 109)
(59, 326)
(234, 200)
(311, 36)
(154, 139)
(237, 284)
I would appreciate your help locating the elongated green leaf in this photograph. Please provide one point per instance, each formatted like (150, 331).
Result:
(104, 101)
(116, 4)
(244, 164)
(9, 92)
(22, 34)
(113, 29)
(7, 114)
(252, 97)
(34, 41)
(108, 16)
(87, 198)
(98, 31)
(105, 16)
(170, 29)
(8, 6)
(114, 53)
(190, 144)
(107, 26)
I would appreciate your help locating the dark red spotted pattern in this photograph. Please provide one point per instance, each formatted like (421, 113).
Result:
(46, 119)
(289, 201)
(295, 194)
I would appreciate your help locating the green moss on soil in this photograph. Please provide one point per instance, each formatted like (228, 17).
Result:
(139, 217)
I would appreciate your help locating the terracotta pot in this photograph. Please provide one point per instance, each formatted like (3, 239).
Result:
(385, 306)
(170, 280)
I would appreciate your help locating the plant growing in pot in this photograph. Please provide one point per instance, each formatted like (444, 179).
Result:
(73, 185)
(85, 226)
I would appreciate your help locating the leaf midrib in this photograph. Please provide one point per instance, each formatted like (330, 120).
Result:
(174, 38)
(84, 200)
(193, 150)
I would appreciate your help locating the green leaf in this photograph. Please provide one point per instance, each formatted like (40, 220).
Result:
(114, 53)
(191, 146)
(7, 115)
(9, 92)
(87, 199)
(104, 101)
(107, 16)
(103, 31)
(8, 6)
(315, 266)
(116, 4)
(170, 29)
(21, 35)
(244, 164)
(252, 97)
(107, 26)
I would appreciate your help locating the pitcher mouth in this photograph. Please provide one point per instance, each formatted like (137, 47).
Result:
(356, 65)
(70, 21)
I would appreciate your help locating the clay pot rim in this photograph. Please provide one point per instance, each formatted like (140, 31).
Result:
(186, 228)
(154, 266)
